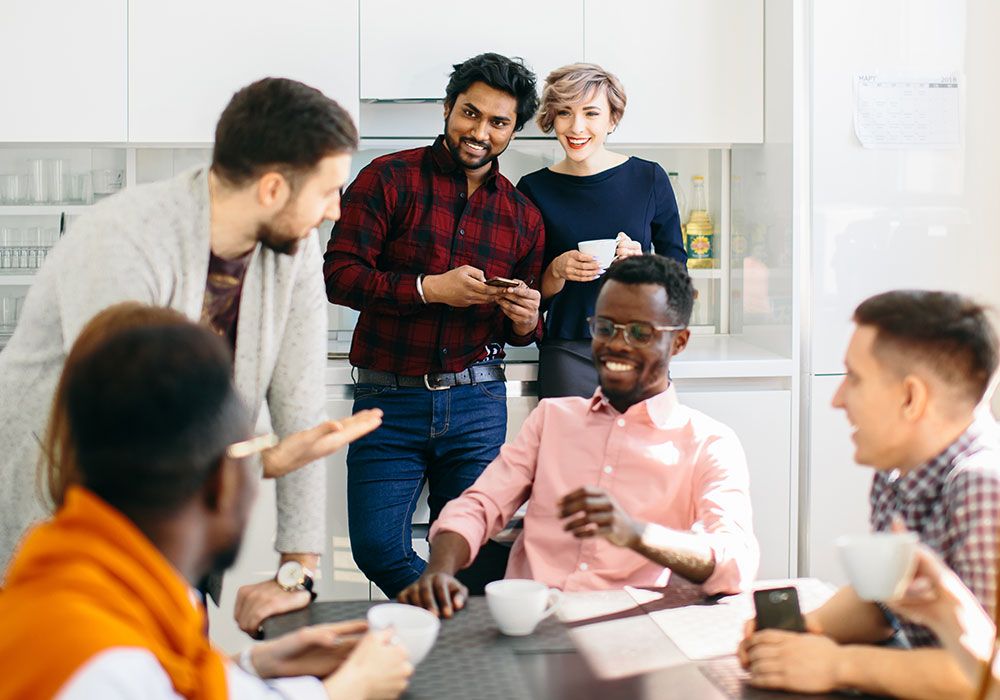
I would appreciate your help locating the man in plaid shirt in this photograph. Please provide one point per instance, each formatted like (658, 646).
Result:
(422, 236)
(918, 367)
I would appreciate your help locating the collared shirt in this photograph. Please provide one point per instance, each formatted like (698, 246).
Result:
(409, 213)
(953, 503)
(661, 461)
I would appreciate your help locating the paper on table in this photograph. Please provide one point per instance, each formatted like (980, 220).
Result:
(616, 637)
(708, 631)
(893, 110)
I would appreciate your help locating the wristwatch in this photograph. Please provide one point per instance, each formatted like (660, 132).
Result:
(292, 576)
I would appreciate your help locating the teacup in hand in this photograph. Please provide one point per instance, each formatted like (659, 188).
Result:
(518, 605)
(415, 628)
(603, 249)
(879, 565)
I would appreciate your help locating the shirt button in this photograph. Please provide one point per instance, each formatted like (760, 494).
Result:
(607, 469)
(621, 422)
(583, 566)
(461, 231)
(462, 195)
(445, 351)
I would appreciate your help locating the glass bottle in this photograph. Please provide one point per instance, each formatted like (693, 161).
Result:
(699, 240)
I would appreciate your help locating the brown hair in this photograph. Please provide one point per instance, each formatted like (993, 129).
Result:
(572, 84)
(57, 467)
(947, 333)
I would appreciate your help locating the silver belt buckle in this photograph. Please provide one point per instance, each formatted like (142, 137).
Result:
(428, 386)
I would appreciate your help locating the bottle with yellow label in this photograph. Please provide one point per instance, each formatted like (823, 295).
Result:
(699, 239)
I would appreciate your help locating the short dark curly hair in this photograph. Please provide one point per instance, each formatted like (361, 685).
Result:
(657, 269)
(947, 333)
(509, 75)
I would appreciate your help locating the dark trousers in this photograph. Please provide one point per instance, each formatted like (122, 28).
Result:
(444, 438)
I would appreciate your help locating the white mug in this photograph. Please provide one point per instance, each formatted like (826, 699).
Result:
(602, 248)
(518, 605)
(414, 628)
(879, 565)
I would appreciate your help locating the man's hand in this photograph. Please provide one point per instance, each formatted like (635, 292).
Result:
(441, 593)
(792, 661)
(377, 670)
(318, 650)
(258, 601)
(463, 286)
(306, 446)
(597, 513)
(520, 305)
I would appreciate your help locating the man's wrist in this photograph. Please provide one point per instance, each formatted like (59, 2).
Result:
(420, 287)
(307, 559)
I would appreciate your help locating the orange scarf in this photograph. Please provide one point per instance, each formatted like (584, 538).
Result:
(89, 580)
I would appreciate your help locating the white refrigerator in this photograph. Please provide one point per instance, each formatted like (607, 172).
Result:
(906, 209)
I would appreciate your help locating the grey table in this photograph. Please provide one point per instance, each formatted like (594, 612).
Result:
(471, 659)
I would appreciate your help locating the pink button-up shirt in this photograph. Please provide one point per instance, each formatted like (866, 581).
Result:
(662, 462)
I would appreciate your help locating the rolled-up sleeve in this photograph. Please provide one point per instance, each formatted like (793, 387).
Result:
(722, 484)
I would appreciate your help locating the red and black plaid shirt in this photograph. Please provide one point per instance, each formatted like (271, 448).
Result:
(953, 503)
(408, 213)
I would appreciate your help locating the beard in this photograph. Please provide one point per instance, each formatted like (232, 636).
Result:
(274, 236)
(455, 145)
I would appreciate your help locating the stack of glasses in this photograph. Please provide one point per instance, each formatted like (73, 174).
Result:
(25, 249)
(52, 181)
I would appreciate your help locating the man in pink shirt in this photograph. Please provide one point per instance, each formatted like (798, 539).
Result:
(625, 487)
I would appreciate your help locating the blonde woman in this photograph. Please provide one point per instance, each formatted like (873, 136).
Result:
(591, 193)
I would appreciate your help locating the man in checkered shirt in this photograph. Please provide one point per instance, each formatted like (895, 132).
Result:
(918, 367)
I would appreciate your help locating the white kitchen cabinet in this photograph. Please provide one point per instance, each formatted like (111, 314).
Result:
(187, 58)
(408, 55)
(693, 71)
(761, 418)
(64, 76)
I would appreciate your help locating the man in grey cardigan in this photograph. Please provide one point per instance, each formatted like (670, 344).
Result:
(234, 246)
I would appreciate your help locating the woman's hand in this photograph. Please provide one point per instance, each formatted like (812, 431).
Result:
(575, 267)
(627, 247)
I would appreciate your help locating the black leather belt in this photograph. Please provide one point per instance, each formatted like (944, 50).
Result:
(434, 381)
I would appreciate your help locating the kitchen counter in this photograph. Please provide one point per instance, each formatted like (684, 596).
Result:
(706, 357)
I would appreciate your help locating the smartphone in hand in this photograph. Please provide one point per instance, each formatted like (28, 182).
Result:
(778, 608)
(502, 282)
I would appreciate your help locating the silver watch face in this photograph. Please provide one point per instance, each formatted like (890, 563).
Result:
(291, 575)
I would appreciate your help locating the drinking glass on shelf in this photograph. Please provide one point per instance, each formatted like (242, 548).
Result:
(38, 181)
(4, 249)
(80, 190)
(30, 242)
(13, 188)
(13, 249)
(58, 173)
(49, 236)
(8, 313)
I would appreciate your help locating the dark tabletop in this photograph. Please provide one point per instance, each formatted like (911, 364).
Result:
(472, 659)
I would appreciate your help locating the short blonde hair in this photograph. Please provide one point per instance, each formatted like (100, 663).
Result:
(571, 84)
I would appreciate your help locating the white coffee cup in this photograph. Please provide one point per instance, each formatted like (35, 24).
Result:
(879, 565)
(518, 605)
(414, 628)
(602, 248)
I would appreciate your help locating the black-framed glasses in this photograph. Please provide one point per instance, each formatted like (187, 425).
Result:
(636, 332)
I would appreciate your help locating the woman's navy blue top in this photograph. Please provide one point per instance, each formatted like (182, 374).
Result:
(634, 197)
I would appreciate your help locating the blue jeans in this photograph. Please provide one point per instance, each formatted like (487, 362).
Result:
(445, 438)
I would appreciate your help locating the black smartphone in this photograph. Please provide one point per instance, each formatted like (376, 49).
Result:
(778, 608)
(502, 282)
